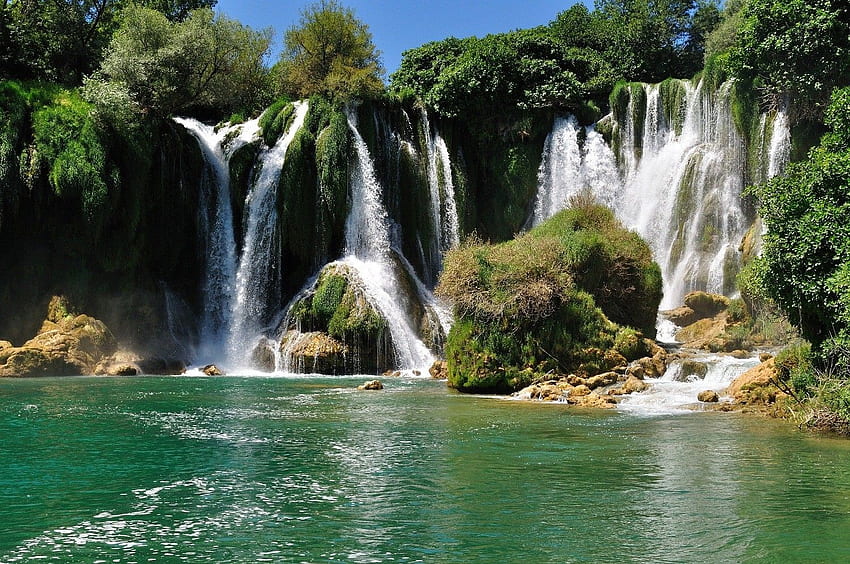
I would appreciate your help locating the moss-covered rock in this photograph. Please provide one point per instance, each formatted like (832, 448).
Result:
(528, 308)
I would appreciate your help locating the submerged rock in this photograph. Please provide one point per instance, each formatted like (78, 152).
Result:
(212, 370)
(371, 385)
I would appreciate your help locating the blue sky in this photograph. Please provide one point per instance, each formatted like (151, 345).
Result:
(398, 25)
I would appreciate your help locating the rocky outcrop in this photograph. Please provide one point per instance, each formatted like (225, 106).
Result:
(756, 387)
(314, 352)
(439, 370)
(67, 344)
(371, 385)
(708, 396)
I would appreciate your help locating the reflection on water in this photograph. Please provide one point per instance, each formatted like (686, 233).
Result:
(281, 469)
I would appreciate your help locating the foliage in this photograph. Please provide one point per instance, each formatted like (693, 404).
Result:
(63, 40)
(206, 62)
(275, 120)
(329, 52)
(795, 49)
(532, 305)
(805, 263)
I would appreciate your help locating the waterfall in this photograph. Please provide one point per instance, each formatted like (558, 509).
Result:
(369, 252)
(216, 222)
(780, 145)
(443, 205)
(257, 278)
(683, 193)
(568, 168)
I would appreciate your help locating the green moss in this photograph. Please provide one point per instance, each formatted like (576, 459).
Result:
(673, 96)
(276, 120)
(328, 297)
(532, 305)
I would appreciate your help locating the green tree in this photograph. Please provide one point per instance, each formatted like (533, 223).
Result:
(329, 52)
(794, 49)
(205, 62)
(64, 40)
(805, 262)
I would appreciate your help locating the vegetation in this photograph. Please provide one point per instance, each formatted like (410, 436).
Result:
(330, 52)
(531, 306)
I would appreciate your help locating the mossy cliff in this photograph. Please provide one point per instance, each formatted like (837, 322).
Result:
(566, 297)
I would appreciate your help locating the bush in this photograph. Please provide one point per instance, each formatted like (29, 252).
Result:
(531, 306)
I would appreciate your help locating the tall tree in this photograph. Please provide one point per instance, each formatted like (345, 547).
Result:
(331, 52)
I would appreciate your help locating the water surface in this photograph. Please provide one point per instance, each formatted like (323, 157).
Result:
(308, 469)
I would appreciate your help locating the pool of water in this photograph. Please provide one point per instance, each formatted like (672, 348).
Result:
(308, 469)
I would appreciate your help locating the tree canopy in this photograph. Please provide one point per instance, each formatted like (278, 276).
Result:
(205, 61)
(63, 40)
(329, 52)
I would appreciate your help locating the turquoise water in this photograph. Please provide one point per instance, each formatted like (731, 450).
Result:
(310, 470)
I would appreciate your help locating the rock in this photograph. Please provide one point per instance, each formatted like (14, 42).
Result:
(371, 385)
(755, 386)
(315, 352)
(164, 366)
(681, 316)
(691, 370)
(66, 345)
(439, 370)
(708, 396)
(594, 401)
(212, 370)
(263, 356)
(699, 334)
(581, 390)
(601, 380)
(417, 373)
(763, 357)
(630, 386)
(738, 353)
(706, 305)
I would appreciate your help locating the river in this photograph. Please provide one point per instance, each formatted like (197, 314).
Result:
(307, 469)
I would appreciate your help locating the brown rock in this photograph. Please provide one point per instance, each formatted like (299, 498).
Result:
(689, 368)
(708, 396)
(314, 352)
(594, 401)
(755, 386)
(706, 305)
(439, 370)
(580, 390)
(263, 357)
(601, 380)
(738, 353)
(764, 357)
(212, 370)
(682, 316)
(371, 385)
(697, 335)
(631, 385)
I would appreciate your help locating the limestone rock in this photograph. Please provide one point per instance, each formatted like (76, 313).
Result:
(66, 345)
(706, 305)
(601, 380)
(699, 334)
(682, 316)
(691, 370)
(439, 370)
(212, 370)
(581, 390)
(371, 385)
(630, 386)
(263, 356)
(708, 396)
(315, 352)
(755, 386)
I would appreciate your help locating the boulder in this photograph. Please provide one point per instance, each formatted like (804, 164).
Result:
(263, 356)
(67, 344)
(630, 386)
(315, 352)
(690, 370)
(580, 390)
(706, 305)
(371, 385)
(681, 316)
(439, 370)
(755, 386)
(699, 334)
(708, 396)
(601, 380)
(212, 370)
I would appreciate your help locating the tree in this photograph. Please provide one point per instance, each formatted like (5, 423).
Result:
(796, 50)
(805, 262)
(329, 52)
(64, 40)
(204, 62)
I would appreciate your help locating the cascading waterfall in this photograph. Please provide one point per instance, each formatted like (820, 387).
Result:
(368, 250)
(568, 168)
(258, 276)
(780, 145)
(216, 220)
(443, 204)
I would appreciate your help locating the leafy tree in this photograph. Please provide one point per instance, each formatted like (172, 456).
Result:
(805, 263)
(794, 49)
(63, 40)
(203, 62)
(329, 52)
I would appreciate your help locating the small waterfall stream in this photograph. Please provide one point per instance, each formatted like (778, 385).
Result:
(258, 275)
(443, 204)
(368, 250)
(216, 219)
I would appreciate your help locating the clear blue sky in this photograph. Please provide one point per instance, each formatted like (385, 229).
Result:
(398, 25)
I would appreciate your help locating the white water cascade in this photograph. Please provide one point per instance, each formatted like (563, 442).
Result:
(569, 167)
(443, 203)
(369, 251)
(257, 278)
(216, 220)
